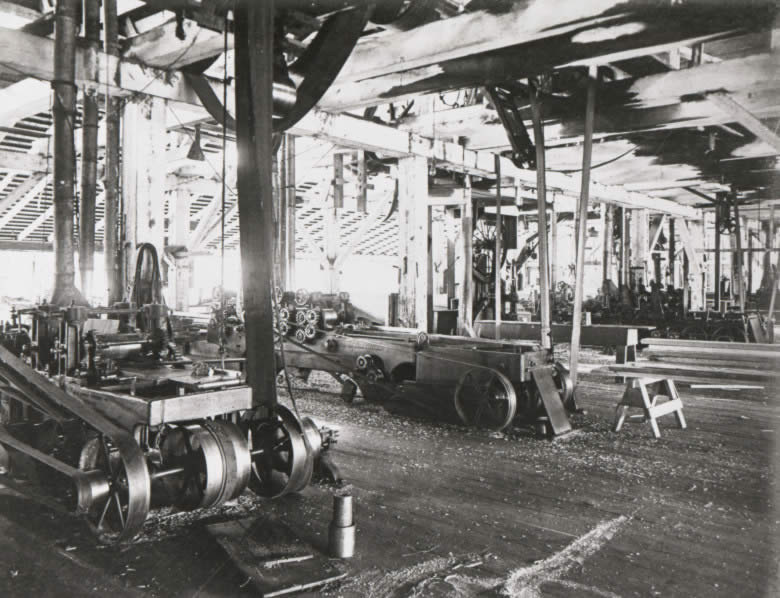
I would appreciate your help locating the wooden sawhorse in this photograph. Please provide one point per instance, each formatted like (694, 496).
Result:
(645, 393)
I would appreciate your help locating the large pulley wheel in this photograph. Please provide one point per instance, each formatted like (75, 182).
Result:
(485, 398)
(282, 458)
(115, 491)
(213, 464)
(564, 384)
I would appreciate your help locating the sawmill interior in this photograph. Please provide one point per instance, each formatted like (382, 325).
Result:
(389, 298)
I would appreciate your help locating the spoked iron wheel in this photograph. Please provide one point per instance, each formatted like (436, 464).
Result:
(729, 334)
(121, 492)
(282, 461)
(694, 332)
(485, 398)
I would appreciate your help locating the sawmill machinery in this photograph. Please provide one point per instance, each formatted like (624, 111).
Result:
(481, 383)
(103, 416)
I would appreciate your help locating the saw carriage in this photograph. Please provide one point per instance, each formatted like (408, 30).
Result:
(100, 404)
(483, 383)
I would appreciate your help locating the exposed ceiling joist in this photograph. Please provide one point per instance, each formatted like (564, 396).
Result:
(21, 196)
(739, 113)
(161, 47)
(33, 226)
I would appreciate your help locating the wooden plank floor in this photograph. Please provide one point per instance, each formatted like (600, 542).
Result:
(445, 511)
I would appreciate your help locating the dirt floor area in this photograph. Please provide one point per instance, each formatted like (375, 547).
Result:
(446, 511)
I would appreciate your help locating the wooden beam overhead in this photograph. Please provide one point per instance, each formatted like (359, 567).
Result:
(739, 113)
(22, 162)
(161, 47)
(17, 199)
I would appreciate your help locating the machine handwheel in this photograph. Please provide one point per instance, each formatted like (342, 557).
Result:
(282, 461)
(119, 509)
(485, 398)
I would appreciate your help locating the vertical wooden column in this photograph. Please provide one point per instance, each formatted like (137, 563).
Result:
(773, 271)
(144, 140)
(254, 33)
(179, 217)
(64, 113)
(717, 261)
(449, 271)
(290, 189)
(466, 297)
(332, 237)
(640, 229)
(280, 215)
(541, 210)
(749, 260)
(738, 267)
(89, 149)
(672, 253)
(607, 255)
(582, 225)
(624, 234)
(113, 109)
(415, 294)
(553, 245)
(499, 307)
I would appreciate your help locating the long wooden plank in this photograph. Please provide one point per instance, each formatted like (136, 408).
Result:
(688, 375)
(599, 335)
(726, 346)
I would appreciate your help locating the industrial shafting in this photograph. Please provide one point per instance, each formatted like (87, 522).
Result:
(64, 110)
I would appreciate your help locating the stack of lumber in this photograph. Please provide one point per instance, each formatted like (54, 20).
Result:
(708, 362)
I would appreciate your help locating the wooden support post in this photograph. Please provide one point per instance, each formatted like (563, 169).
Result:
(738, 258)
(64, 113)
(362, 182)
(541, 207)
(623, 269)
(89, 150)
(338, 180)
(582, 225)
(773, 269)
(280, 215)
(609, 246)
(416, 298)
(254, 34)
(672, 253)
(179, 212)
(717, 261)
(553, 245)
(113, 261)
(143, 176)
(332, 238)
(466, 295)
(290, 190)
(449, 271)
(499, 306)
(750, 262)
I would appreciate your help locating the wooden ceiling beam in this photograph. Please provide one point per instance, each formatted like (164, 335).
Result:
(17, 199)
(160, 47)
(743, 116)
